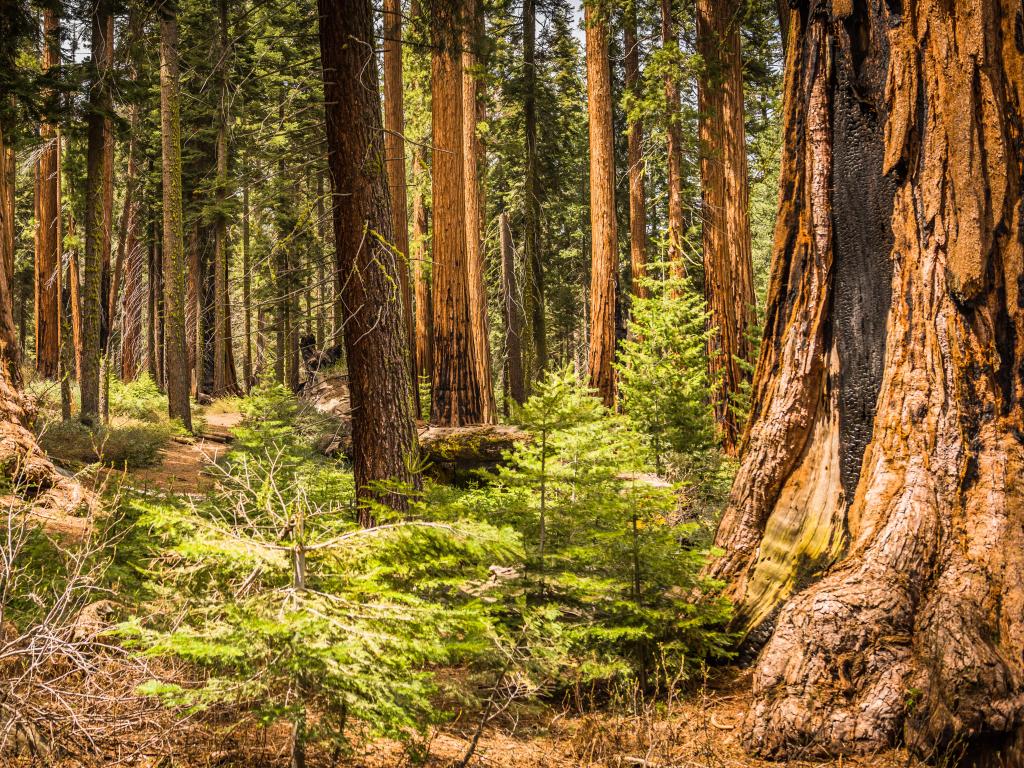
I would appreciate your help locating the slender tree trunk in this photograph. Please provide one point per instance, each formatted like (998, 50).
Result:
(262, 332)
(47, 260)
(880, 474)
(534, 263)
(155, 346)
(132, 253)
(472, 161)
(193, 312)
(728, 264)
(96, 215)
(292, 324)
(176, 368)
(280, 323)
(10, 349)
(107, 279)
(456, 389)
(322, 292)
(383, 433)
(634, 152)
(67, 355)
(394, 142)
(247, 369)
(420, 265)
(224, 378)
(75, 289)
(7, 185)
(513, 320)
(604, 243)
(673, 134)
(7, 188)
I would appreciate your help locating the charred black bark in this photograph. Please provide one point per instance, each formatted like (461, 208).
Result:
(862, 200)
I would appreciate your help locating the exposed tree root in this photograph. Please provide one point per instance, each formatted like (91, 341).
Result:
(54, 496)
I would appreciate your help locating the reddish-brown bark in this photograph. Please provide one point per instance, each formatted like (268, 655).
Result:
(420, 257)
(728, 264)
(383, 434)
(47, 204)
(604, 238)
(874, 531)
(472, 161)
(457, 395)
(10, 349)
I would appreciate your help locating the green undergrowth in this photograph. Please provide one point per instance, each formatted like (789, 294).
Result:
(666, 393)
(128, 445)
(565, 572)
(136, 431)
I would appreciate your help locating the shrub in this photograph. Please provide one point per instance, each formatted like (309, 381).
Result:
(139, 399)
(130, 445)
(663, 372)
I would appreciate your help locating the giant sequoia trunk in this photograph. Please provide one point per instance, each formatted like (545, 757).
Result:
(47, 209)
(383, 434)
(728, 266)
(604, 240)
(456, 387)
(875, 532)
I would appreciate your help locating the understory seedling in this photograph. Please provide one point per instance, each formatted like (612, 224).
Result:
(293, 612)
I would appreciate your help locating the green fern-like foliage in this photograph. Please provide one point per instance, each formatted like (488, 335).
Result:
(286, 607)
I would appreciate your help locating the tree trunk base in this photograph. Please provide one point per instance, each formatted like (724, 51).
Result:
(917, 637)
(55, 497)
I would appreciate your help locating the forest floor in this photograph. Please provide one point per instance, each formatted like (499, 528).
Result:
(184, 463)
(696, 729)
(700, 729)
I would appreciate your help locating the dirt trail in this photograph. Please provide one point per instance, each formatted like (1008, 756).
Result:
(183, 464)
